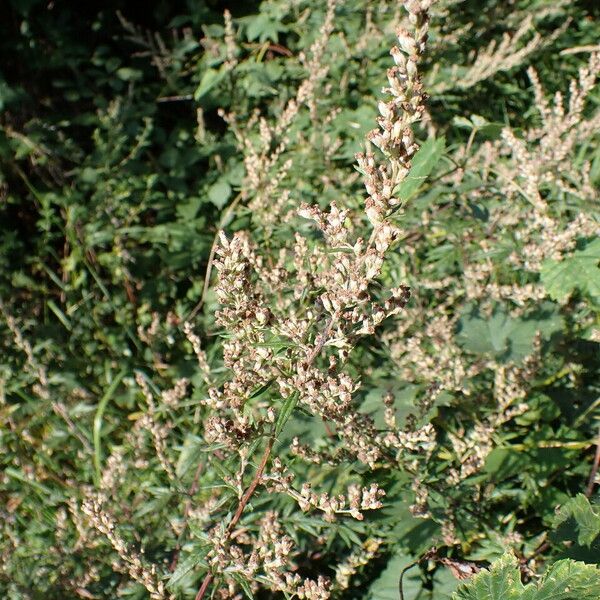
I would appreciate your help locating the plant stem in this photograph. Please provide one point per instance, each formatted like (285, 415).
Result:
(592, 480)
(240, 509)
(408, 567)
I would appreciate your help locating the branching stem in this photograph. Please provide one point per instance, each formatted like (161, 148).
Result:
(240, 509)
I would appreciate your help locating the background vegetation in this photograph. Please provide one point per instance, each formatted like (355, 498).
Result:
(117, 172)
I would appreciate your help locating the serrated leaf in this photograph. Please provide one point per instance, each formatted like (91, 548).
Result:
(580, 271)
(263, 27)
(501, 582)
(565, 580)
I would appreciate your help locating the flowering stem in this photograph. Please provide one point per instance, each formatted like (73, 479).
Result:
(240, 509)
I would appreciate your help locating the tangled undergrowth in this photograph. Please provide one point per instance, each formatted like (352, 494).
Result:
(269, 330)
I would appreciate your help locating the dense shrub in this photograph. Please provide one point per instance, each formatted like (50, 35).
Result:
(247, 352)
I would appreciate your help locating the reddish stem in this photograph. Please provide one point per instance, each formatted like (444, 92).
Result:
(592, 480)
(240, 509)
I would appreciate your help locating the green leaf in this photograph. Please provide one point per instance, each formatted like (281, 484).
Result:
(587, 520)
(286, 411)
(184, 569)
(462, 122)
(503, 336)
(565, 580)
(580, 271)
(422, 164)
(243, 583)
(264, 28)
(188, 210)
(501, 582)
(190, 455)
(387, 585)
(261, 389)
(60, 315)
(219, 193)
(210, 79)
(97, 428)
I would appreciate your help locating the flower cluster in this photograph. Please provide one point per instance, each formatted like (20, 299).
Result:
(292, 317)
(395, 137)
(268, 556)
(131, 561)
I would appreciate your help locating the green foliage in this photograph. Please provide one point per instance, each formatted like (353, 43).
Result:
(415, 584)
(580, 271)
(565, 580)
(423, 163)
(505, 337)
(116, 173)
(586, 519)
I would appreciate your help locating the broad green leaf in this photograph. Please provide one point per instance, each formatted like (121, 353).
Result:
(503, 336)
(387, 585)
(404, 401)
(565, 580)
(188, 210)
(219, 193)
(580, 271)
(422, 164)
(501, 582)
(264, 27)
(586, 519)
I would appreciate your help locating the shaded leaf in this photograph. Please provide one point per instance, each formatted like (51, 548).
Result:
(587, 520)
(503, 336)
